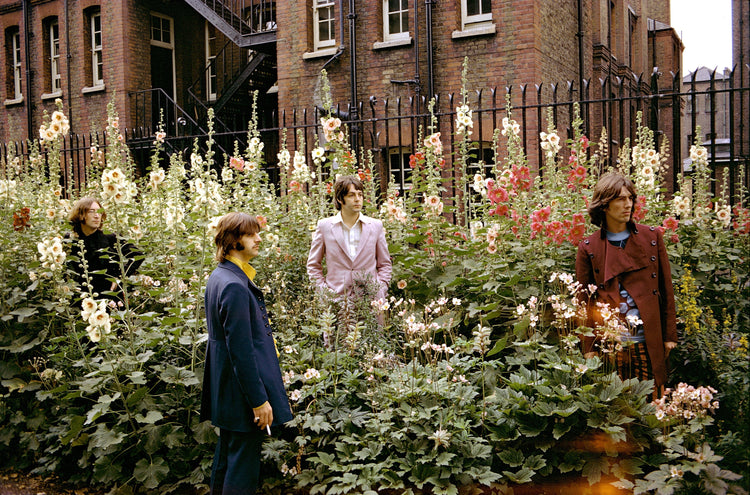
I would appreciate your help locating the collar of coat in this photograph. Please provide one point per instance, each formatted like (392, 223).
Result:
(634, 256)
(234, 268)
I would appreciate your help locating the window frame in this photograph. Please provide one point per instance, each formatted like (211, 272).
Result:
(401, 35)
(55, 75)
(401, 175)
(15, 67)
(97, 51)
(211, 74)
(318, 5)
(475, 20)
(160, 41)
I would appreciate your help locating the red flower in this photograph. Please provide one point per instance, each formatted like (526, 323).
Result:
(262, 221)
(294, 186)
(541, 215)
(584, 143)
(639, 213)
(497, 194)
(501, 210)
(416, 159)
(21, 219)
(671, 223)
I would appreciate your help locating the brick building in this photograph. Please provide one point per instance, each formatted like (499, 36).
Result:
(180, 57)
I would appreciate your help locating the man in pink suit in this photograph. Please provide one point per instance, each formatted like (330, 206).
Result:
(352, 244)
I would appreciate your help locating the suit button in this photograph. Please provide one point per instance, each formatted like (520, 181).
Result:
(653, 243)
(596, 270)
(591, 255)
(601, 286)
(653, 258)
(586, 242)
(655, 291)
(652, 229)
(653, 274)
(269, 334)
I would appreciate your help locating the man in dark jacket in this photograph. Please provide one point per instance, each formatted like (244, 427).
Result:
(243, 391)
(628, 265)
(100, 253)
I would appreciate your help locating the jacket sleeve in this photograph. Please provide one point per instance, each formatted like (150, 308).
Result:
(315, 258)
(236, 320)
(666, 289)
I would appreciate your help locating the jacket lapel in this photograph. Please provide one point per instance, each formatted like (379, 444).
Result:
(337, 229)
(367, 229)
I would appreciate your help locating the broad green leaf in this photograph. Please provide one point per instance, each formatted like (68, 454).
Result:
(150, 418)
(151, 474)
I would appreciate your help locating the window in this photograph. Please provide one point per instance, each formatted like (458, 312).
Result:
(323, 24)
(161, 31)
(95, 67)
(399, 168)
(13, 55)
(395, 20)
(52, 55)
(211, 50)
(475, 12)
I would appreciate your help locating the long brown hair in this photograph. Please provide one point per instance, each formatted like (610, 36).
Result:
(230, 230)
(77, 215)
(608, 188)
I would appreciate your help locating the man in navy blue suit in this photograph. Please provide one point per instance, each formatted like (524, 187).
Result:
(243, 392)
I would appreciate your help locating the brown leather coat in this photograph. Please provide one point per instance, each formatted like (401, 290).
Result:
(643, 269)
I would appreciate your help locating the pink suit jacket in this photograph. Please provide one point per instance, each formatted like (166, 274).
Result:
(372, 256)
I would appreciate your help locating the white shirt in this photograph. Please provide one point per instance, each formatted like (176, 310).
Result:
(351, 235)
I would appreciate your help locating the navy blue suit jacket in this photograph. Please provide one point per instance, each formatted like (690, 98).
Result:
(242, 368)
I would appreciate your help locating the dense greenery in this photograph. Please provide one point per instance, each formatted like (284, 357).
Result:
(475, 377)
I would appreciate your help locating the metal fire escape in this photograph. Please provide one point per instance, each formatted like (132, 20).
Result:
(247, 62)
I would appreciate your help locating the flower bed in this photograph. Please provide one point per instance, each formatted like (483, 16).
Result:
(476, 378)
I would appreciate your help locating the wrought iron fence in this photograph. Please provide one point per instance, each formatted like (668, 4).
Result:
(390, 128)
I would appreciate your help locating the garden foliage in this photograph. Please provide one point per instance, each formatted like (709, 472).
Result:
(476, 375)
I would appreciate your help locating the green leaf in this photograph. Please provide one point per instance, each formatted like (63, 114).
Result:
(500, 344)
(150, 418)
(179, 375)
(522, 476)
(76, 424)
(594, 468)
(151, 474)
(105, 438)
(511, 457)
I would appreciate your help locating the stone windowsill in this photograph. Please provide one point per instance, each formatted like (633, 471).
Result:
(93, 89)
(382, 45)
(14, 101)
(478, 30)
(51, 96)
(326, 52)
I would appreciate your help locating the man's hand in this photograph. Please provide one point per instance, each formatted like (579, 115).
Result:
(263, 415)
(589, 355)
(668, 346)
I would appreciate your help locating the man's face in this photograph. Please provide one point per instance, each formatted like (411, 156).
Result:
(353, 201)
(251, 245)
(93, 216)
(619, 209)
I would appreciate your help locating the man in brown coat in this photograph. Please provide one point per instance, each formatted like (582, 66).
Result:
(628, 265)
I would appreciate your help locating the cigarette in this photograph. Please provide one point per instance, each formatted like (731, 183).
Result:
(268, 429)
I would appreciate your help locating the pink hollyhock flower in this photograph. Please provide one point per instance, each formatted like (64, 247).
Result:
(671, 223)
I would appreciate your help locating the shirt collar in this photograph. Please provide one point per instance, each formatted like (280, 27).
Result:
(362, 218)
(245, 267)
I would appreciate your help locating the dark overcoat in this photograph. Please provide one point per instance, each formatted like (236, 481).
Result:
(642, 267)
(242, 367)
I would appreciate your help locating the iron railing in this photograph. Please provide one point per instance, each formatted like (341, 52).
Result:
(390, 128)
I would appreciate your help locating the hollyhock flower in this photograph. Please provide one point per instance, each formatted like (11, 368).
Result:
(160, 135)
(237, 163)
(671, 223)
(723, 215)
(319, 154)
(294, 186)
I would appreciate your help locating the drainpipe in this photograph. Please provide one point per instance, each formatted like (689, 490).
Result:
(430, 64)
(342, 47)
(580, 49)
(69, 57)
(417, 83)
(352, 16)
(27, 54)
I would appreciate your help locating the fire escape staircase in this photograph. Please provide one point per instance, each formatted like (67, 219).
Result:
(258, 33)
(246, 62)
